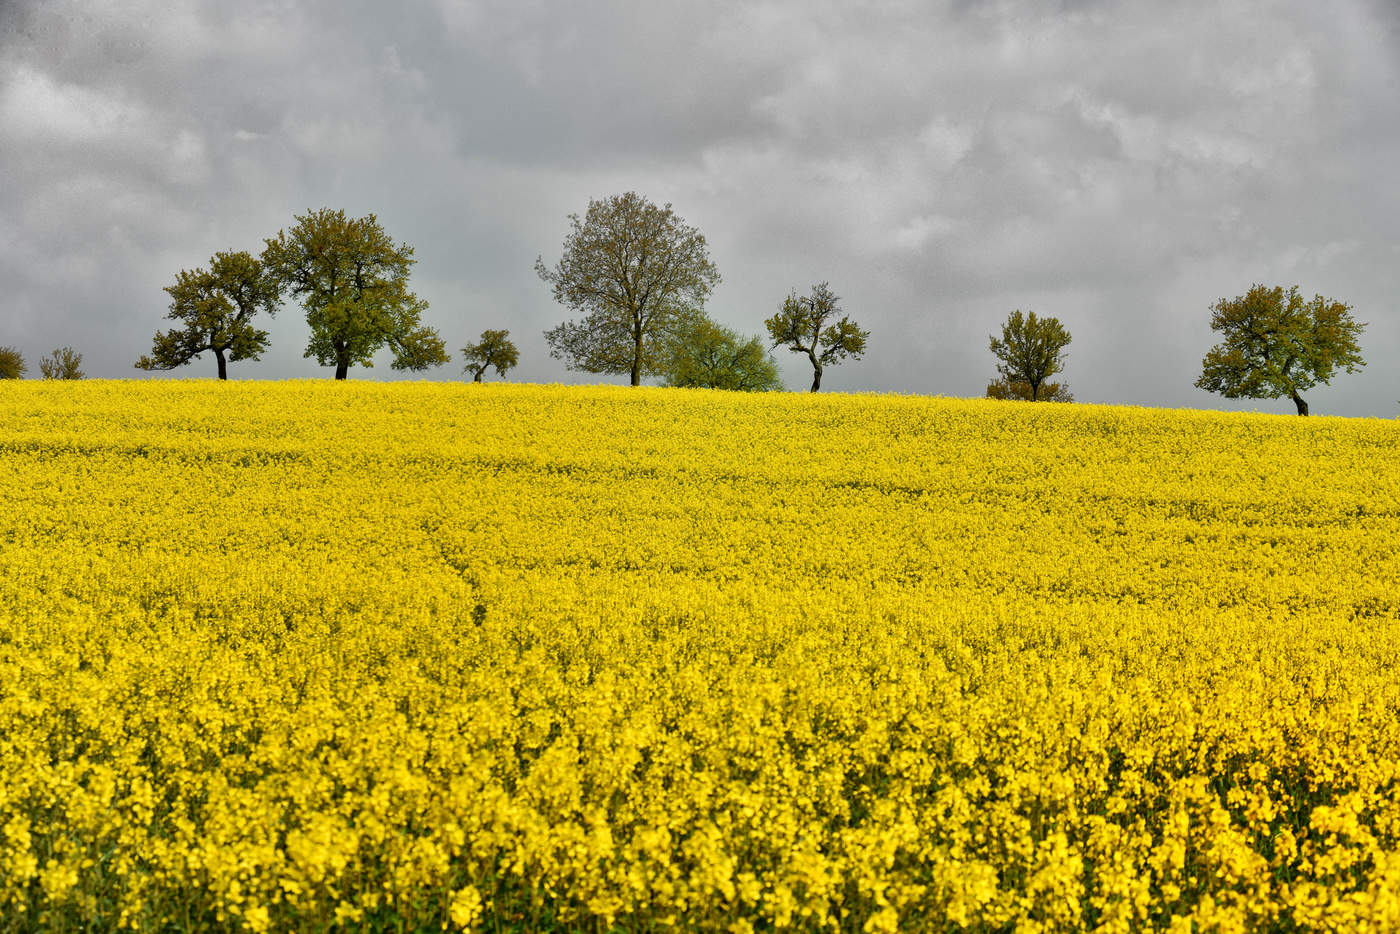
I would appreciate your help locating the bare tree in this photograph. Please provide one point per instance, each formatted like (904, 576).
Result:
(636, 273)
(63, 363)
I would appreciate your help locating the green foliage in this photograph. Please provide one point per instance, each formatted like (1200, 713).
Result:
(802, 327)
(637, 274)
(1030, 349)
(12, 365)
(1019, 389)
(352, 279)
(1276, 344)
(63, 363)
(709, 355)
(495, 349)
(216, 307)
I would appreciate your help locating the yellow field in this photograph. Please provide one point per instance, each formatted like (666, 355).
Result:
(292, 656)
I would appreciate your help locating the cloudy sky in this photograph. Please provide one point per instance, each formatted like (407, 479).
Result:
(1119, 165)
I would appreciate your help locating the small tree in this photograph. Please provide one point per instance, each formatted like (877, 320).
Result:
(709, 355)
(1030, 349)
(495, 349)
(1276, 344)
(12, 364)
(352, 279)
(1020, 389)
(63, 363)
(636, 273)
(802, 327)
(216, 307)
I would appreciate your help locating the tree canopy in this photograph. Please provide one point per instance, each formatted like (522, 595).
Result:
(216, 307)
(12, 365)
(352, 279)
(711, 356)
(637, 274)
(63, 363)
(495, 349)
(1030, 349)
(1278, 344)
(801, 326)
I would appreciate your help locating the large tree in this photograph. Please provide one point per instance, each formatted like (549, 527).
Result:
(1030, 349)
(495, 349)
(12, 364)
(712, 356)
(1277, 344)
(352, 279)
(63, 363)
(637, 274)
(216, 307)
(801, 326)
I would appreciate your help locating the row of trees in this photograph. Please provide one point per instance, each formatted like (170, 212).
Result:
(350, 277)
(637, 277)
(1275, 344)
(62, 363)
(636, 273)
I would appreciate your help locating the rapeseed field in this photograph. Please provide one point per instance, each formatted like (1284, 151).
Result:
(310, 656)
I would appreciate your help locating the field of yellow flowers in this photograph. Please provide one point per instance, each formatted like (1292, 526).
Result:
(312, 655)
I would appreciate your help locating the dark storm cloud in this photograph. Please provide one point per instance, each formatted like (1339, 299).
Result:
(1119, 165)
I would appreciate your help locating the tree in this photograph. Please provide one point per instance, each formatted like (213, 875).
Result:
(637, 274)
(1030, 349)
(801, 327)
(1020, 389)
(1276, 344)
(712, 356)
(352, 279)
(12, 364)
(63, 363)
(495, 349)
(216, 307)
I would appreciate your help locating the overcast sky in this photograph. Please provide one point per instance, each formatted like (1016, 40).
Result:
(1119, 165)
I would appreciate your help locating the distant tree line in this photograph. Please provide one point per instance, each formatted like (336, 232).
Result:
(636, 277)
(62, 363)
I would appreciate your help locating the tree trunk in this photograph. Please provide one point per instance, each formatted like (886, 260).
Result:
(223, 364)
(816, 371)
(637, 360)
(342, 359)
(1302, 406)
(1035, 390)
(477, 377)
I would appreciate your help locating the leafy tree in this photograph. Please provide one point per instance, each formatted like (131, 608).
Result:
(352, 279)
(63, 363)
(216, 307)
(1020, 389)
(12, 364)
(712, 356)
(802, 327)
(1276, 344)
(495, 349)
(1030, 349)
(637, 274)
